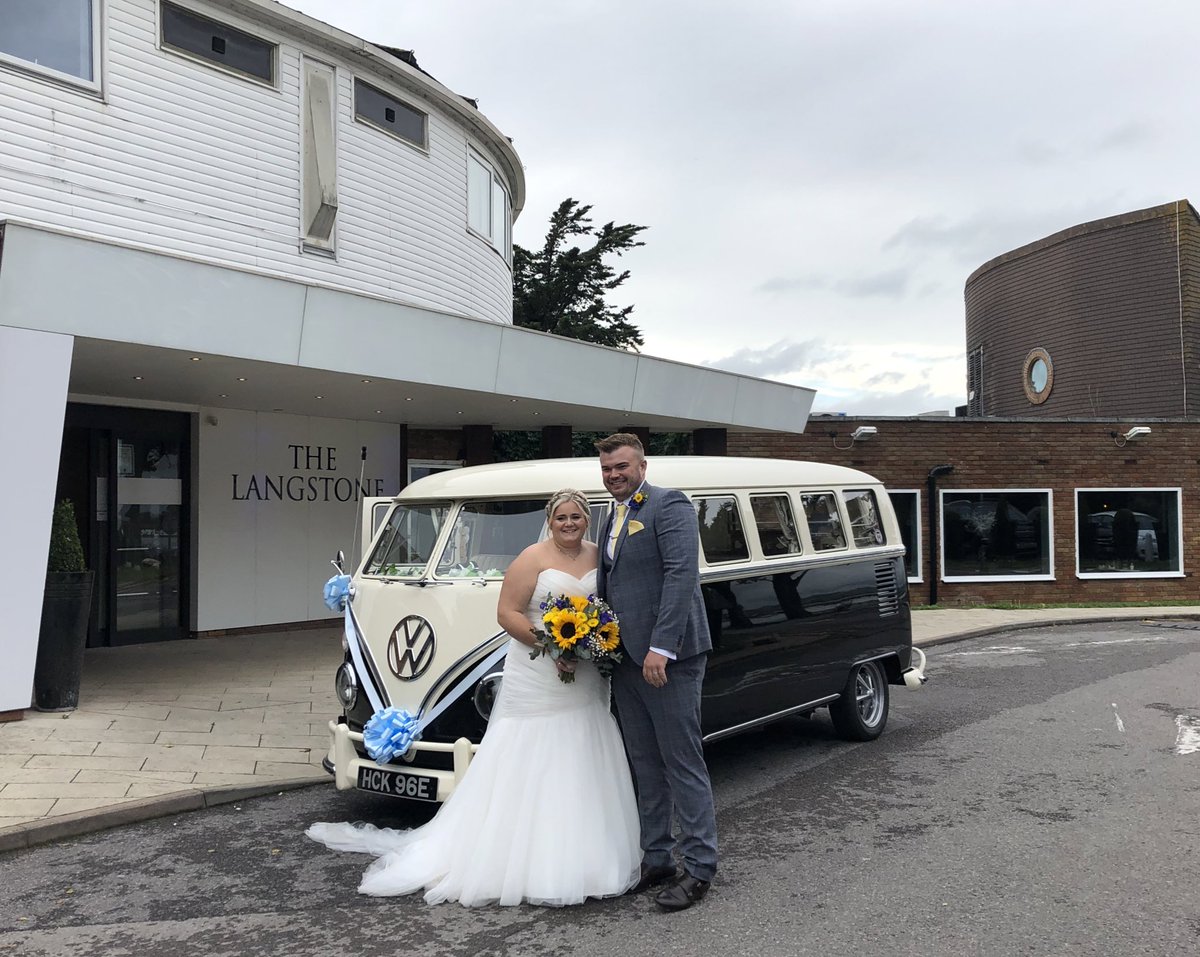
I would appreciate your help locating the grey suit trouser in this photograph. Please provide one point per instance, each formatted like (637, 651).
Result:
(662, 737)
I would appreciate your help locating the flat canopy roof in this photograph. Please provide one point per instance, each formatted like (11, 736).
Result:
(152, 328)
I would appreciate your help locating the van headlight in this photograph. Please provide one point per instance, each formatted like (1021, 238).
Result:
(486, 692)
(345, 683)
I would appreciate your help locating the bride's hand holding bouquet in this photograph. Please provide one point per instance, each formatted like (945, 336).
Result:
(578, 627)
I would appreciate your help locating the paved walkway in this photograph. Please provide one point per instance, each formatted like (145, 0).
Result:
(177, 726)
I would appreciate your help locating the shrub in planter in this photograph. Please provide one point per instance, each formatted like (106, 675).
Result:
(65, 607)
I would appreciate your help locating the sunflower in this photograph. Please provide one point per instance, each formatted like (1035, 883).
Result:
(607, 637)
(579, 603)
(566, 627)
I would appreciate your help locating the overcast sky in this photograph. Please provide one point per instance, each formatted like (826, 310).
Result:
(819, 179)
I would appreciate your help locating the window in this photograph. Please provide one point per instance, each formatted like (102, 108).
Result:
(996, 534)
(186, 32)
(1128, 532)
(975, 382)
(389, 114)
(487, 536)
(488, 210)
(406, 544)
(824, 522)
(55, 37)
(721, 533)
(776, 526)
(907, 506)
(1038, 376)
(865, 526)
(419, 468)
(318, 194)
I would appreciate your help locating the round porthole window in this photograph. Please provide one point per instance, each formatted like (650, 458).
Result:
(1038, 376)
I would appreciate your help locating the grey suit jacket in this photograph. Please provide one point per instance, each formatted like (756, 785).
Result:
(653, 580)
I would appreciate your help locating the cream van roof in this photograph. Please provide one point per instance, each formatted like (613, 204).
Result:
(540, 477)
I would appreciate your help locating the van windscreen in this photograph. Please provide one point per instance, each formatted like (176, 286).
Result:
(406, 544)
(487, 536)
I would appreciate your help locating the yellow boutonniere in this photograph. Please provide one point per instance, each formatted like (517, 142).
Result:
(638, 500)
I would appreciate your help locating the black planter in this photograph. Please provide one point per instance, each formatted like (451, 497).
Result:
(62, 639)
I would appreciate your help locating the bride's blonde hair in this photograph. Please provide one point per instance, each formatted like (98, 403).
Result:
(569, 495)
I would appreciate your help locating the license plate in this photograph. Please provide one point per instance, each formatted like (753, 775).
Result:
(417, 787)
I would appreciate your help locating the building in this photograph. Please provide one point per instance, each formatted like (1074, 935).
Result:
(252, 269)
(1102, 319)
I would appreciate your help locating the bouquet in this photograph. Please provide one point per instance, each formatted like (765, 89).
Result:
(578, 627)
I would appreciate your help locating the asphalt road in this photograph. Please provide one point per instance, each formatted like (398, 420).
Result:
(1040, 796)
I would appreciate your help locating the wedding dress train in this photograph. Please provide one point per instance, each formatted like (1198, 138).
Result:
(546, 812)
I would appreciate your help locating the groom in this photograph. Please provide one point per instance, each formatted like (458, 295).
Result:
(649, 574)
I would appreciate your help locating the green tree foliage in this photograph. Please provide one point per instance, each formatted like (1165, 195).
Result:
(562, 288)
(66, 551)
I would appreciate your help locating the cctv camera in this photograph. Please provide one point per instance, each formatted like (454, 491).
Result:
(1137, 432)
(863, 432)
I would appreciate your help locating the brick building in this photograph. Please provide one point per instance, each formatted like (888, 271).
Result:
(1056, 487)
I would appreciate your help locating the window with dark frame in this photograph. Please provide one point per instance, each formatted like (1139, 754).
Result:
(219, 43)
(389, 114)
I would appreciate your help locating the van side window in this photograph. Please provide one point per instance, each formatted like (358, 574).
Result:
(776, 525)
(721, 531)
(865, 526)
(824, 522)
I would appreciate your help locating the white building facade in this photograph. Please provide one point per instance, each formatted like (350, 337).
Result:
(240, 249)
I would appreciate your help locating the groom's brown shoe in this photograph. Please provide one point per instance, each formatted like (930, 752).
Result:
(682, 894)
(653, 874)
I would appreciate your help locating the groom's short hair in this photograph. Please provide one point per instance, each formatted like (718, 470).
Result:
(620, 440)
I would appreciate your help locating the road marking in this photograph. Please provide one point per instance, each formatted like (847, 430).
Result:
(1120, 723)
(1187, 738)
(1118, 641)
(994, 650)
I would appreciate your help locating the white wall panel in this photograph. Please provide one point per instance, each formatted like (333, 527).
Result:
(34, 368)
(189, 159)
(264, 539)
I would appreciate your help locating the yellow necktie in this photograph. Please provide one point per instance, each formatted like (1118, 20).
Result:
(622, 508)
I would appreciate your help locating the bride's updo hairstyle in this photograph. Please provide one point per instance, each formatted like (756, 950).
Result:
(568, 495)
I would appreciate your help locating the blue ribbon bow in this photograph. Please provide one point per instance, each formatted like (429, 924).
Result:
(337, 591)
(389, 733)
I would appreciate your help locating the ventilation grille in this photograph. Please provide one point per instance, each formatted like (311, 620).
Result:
(886, 590)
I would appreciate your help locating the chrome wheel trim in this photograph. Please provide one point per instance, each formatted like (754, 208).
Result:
(868, 693)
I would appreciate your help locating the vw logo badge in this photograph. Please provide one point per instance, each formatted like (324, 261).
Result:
(410, 649)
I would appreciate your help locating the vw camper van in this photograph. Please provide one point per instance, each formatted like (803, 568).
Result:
(802, 575)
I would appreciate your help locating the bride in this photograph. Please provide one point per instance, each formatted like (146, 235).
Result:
(546, 812)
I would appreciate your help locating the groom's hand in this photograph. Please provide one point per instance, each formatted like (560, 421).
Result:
(654, 668)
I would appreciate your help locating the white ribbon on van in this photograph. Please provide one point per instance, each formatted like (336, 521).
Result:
(391, 731)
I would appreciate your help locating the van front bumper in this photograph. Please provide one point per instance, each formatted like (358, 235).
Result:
(346, 761)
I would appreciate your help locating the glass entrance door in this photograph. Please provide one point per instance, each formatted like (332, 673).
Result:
(127, 471)
(149, 518)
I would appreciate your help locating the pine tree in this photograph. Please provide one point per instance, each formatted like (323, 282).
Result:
(563, 290)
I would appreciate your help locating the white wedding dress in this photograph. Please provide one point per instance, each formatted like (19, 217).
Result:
(546, 812)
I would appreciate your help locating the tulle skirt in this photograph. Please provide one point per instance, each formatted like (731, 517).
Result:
(545, 814)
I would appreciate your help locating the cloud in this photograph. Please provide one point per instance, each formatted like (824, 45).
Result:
(781, 358)
(915, 401)
(893, 283)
